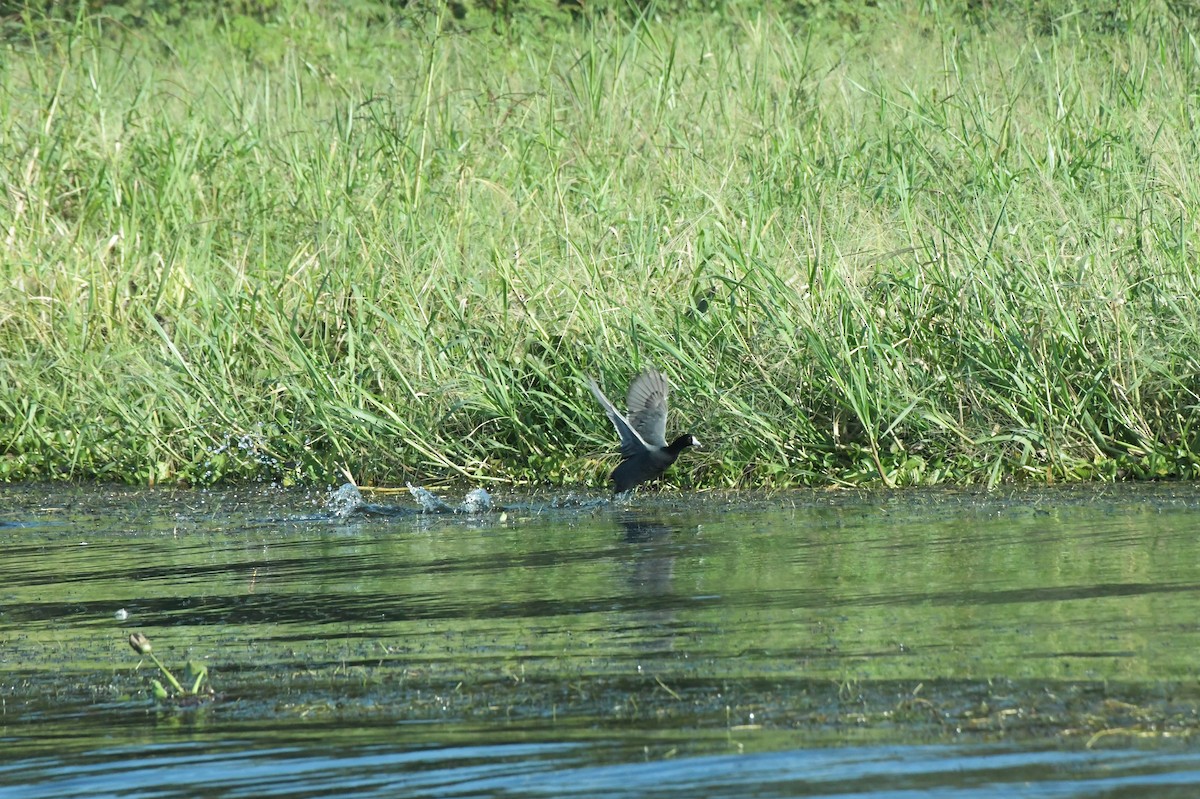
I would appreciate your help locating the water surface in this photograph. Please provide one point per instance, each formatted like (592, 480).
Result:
(809, 643)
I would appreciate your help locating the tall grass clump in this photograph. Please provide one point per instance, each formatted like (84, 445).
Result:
(898, 245)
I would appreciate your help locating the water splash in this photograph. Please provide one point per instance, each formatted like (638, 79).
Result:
(429, 502)
(248, 447)
(348, 500)
(573, 500)
(345, 500)
(477, 500)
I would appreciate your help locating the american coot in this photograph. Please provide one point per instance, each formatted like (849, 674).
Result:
(644, 450)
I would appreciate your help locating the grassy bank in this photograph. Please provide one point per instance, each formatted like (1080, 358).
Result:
(897, 246)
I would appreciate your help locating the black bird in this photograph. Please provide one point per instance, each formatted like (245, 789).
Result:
(644, 450)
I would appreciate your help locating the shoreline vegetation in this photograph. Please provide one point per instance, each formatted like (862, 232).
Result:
(882, 244)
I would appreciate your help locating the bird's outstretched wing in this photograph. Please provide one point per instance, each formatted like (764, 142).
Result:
(632, 442)
(648, 407)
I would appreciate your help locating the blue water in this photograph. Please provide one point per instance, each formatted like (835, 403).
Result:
(238, 769)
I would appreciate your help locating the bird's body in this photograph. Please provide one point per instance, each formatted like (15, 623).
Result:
(645, 453)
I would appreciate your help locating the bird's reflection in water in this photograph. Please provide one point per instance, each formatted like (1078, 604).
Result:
(653, 561)
(644, 530)
(649, 574)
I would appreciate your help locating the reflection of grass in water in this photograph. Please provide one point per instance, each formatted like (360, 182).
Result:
(560, 623)
(895, 711)
(750, 712)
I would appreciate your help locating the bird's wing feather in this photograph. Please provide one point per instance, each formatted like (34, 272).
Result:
(648, 407)
(631, 442)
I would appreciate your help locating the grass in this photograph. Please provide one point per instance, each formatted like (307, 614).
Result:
(894, 246)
